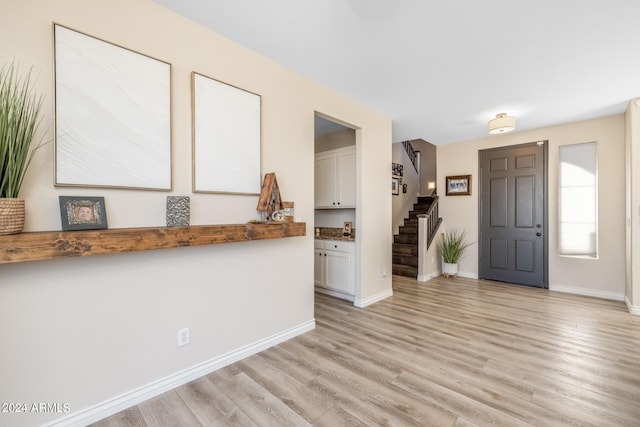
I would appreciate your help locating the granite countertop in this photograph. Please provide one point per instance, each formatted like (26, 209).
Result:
(344, 238)
(330, 233)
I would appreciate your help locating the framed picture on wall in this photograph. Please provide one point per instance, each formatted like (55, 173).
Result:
(397, 169)
(226, 138)
(459, 185)
(112, 115)
(395, 186)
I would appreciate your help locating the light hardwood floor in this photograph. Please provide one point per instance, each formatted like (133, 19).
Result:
(448, 352)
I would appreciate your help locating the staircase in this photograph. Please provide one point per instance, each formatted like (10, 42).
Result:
(405, 243)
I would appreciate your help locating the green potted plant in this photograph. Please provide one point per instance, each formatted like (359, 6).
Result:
(452, 245)
(19, 120)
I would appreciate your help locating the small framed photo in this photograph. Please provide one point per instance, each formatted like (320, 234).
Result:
(459, 185)
(82, 213)
(395, 186)
(346, 228)
(397, 169)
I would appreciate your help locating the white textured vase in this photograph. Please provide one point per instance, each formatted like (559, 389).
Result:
(449, 269)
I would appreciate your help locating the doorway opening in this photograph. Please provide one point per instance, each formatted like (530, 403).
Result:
(335, 213)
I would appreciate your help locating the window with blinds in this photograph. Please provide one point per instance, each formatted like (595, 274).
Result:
(578, 200)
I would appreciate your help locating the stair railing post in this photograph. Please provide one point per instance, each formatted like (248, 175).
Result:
(423, 236)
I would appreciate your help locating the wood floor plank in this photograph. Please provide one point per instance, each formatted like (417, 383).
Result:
(454, 352)
(260, 405)
(337, 416)
(295, 366)
(211, 406)
(296, 395)
(456, 403)
(463, 422)
(224, 374)
(343, 380)
(379, 405)
(581, 413)
(130, 417)
(167, 410)
(603, 395)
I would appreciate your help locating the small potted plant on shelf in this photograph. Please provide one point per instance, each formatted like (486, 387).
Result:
(452, 246)
(19, 119)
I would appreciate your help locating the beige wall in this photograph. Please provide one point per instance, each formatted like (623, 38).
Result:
(602, 277)
(85, 331)
(632, 167)
(428, 164)
(335, 140)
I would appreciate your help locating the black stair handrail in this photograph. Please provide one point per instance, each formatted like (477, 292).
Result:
(433, 220)
(413, 156)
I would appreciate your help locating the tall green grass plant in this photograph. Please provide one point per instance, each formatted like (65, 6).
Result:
(19, 120)
(452, 245)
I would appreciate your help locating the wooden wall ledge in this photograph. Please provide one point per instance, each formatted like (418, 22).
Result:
(43, 245)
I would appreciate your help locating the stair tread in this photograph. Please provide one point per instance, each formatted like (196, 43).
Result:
(408, 261)
(403, 270)
(406, 250)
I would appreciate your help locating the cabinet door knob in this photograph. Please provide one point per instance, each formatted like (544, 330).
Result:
(335, 246)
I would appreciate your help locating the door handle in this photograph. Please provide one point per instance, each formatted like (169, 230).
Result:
(538, 234)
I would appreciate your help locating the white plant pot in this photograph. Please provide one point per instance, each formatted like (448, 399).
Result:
(449, 269)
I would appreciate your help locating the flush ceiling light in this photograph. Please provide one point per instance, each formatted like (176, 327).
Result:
(501, 124)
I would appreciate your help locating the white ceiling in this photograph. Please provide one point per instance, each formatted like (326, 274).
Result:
(441, 69)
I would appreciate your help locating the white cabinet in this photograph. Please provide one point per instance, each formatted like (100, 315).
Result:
(335, 179)
(334, 269)
(318, 263)
(325, 180)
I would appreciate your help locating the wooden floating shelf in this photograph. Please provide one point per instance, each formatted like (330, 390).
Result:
(43, 245)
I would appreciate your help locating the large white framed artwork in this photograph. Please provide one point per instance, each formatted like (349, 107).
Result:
(226, 138)
(112, 113)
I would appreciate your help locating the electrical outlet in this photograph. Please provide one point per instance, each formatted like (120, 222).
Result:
(183, 336)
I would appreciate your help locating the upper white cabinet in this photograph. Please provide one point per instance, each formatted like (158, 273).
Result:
(335, 178)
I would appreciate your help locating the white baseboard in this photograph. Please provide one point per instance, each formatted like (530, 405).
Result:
(436, 273)
(428, 276)
(337, 294)
(361, 303)
(118, 403)
(587, 292)
(633, 309)
(468, 274)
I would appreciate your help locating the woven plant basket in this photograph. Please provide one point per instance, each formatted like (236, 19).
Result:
(11, 216)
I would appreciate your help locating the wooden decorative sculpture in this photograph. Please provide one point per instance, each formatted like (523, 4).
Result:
(270, 200)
